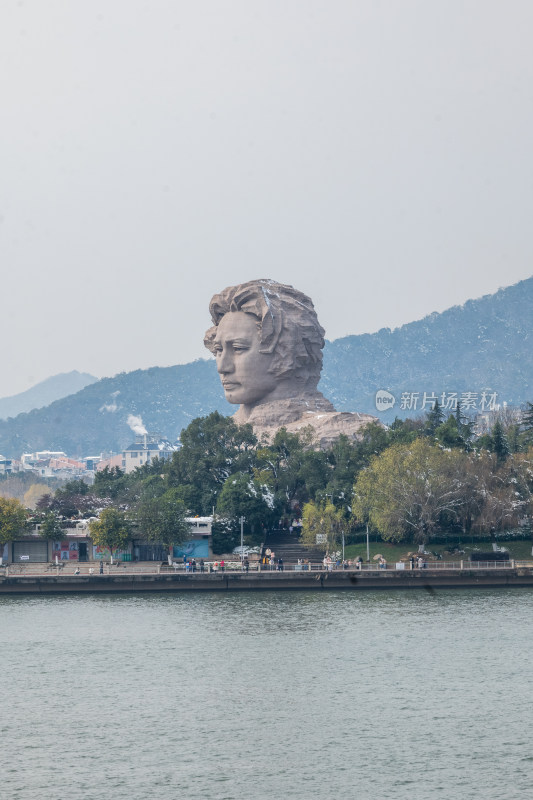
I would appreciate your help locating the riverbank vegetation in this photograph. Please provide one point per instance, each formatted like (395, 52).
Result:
(518, 549)
(415, 482)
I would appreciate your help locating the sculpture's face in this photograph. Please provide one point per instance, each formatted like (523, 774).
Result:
(243, 369)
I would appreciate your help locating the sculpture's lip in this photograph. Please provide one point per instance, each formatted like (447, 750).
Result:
(230, 384)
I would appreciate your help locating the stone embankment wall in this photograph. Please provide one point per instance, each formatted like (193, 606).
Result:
(268, 581)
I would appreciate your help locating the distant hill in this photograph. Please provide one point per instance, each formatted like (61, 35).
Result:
(484, 345)
(95, 419)
(45, 392)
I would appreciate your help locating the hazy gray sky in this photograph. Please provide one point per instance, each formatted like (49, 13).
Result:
(376, 154)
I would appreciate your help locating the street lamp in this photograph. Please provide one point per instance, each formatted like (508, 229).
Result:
(241, 520)
(332, 531)
(367, 544)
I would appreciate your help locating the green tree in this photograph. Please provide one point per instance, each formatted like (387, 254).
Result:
(288, 465)
(151, 485)
(109, 482)
(464, 426)
(50, 526)
(213, 447)
(449, 434)
(322, 526)
(112, 529)
(404, 431)
(225, 534)
(74, 487)
(514, 439)
(498, 442)
(375, 438)
(243, 495)
(406, 490)
(434, 419)
(73, 499)
(343, 465)
(12, 519)
(161, 519)
(119, 488)
(314, 473)
(191, 497)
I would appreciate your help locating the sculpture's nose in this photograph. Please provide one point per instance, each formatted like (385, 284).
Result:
(224, 362)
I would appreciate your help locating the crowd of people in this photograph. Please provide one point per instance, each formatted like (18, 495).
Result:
(269, 560)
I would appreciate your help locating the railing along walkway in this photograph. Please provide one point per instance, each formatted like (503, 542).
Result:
(157, 568)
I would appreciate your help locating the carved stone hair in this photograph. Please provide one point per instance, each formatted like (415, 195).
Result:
(288, 324)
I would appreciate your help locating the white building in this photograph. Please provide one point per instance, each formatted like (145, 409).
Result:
(146, 448)
(32, 460)
(6, 466)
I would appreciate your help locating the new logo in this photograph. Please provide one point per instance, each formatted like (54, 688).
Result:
(384, 400)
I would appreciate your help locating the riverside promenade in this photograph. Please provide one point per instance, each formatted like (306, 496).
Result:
(47, 579)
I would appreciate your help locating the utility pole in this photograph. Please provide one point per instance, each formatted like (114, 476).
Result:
(241, 520)
(331, 530)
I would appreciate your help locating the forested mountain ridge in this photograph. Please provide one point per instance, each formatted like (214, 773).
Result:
(95, 419)
(486, 344)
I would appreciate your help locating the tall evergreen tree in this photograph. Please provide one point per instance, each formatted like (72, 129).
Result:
(448, 434)
(434, 419)
(514, 439)
(464, 426)
(499, 444)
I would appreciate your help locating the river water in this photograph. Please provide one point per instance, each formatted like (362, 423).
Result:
(268, 695)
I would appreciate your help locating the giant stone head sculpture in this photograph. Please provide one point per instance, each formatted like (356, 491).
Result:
(267, 342)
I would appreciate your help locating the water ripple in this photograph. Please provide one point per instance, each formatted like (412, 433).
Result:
(380, 695)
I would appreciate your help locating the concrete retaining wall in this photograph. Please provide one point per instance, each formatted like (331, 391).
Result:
(267, 581)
